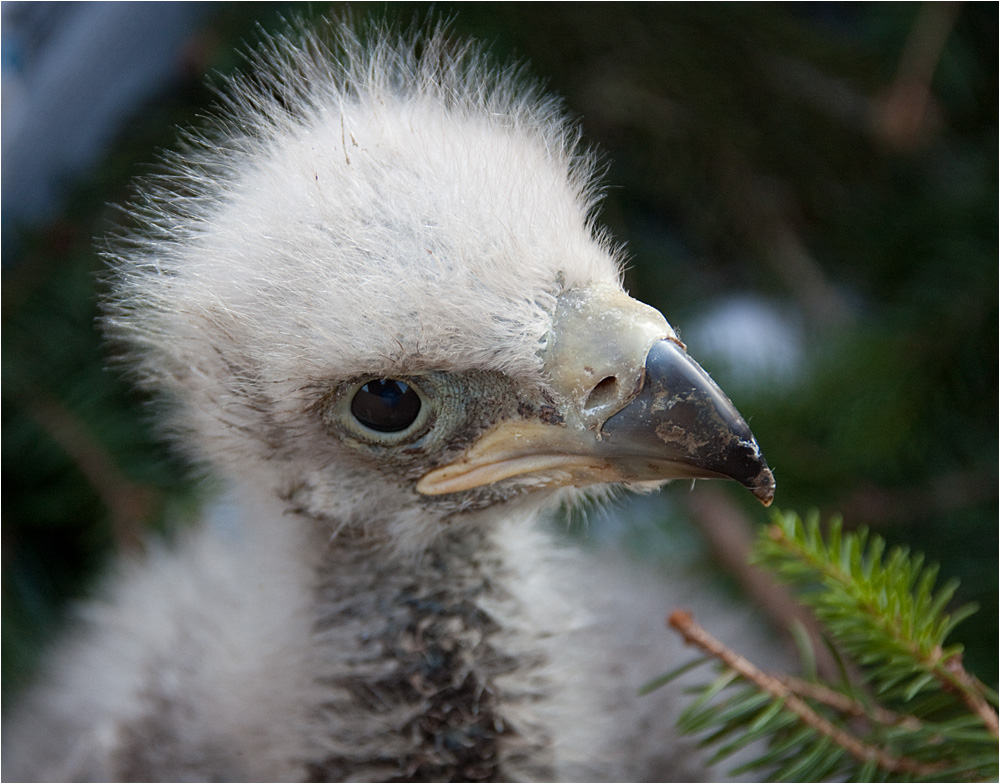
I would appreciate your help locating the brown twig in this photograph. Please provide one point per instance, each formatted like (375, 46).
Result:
(848, 705)
(730, 537)
(908, 108)
(695, 635)
(129, 504)
(956, 678)
(769, 212)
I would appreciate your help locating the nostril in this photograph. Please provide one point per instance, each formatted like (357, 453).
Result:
(604, 393)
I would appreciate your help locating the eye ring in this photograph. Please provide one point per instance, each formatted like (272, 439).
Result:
(386, 405)
(363, 411)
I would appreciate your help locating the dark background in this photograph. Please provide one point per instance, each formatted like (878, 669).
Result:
(808, 191)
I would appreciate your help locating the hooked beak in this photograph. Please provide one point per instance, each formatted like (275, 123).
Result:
(632, 407)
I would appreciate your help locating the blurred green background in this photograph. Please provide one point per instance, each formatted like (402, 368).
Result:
(807, 191)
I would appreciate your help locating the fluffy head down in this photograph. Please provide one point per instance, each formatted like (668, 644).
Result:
(353, 210)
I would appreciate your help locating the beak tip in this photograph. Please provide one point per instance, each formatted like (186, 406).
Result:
(763, 486)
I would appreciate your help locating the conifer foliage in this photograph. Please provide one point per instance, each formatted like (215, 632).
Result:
(904, 707)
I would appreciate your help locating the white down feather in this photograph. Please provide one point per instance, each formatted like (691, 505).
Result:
(356, 210)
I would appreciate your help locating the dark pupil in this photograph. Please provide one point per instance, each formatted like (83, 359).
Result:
(386, 405)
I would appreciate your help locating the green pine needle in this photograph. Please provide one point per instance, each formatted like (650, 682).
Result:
(915, 715)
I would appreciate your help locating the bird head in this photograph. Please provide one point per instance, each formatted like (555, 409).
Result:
(374, 287)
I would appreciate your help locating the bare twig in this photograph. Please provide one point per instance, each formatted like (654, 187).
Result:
(768, 210)
(129, 504)
(956, 678)
(907, 110)
(730, 536)
(841, 702)
(695, 635)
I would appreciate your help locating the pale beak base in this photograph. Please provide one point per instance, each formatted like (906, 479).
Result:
(666, 418)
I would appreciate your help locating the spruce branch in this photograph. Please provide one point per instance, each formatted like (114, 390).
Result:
(784, 692)
(915, 714)
(866, 600)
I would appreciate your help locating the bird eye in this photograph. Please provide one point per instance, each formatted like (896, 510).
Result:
(386, 405)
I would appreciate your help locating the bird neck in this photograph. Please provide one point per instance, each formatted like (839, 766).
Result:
(416, 650)
(420, 662)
